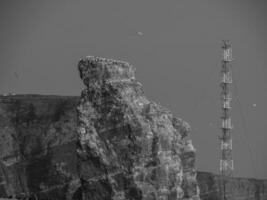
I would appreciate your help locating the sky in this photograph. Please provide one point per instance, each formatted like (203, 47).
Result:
(176, 49)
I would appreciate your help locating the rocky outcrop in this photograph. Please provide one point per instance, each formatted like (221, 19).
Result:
(129, 147)
(236, 188)
(59, 161)
(122, 146)
(37, 147)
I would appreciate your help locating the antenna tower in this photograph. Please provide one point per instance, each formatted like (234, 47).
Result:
(226, 162)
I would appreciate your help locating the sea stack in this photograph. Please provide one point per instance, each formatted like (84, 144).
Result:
(129, 147)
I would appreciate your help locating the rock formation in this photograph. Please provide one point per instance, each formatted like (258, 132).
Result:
(42, 130)
(129, 148)
(236, 188)
(37, 147)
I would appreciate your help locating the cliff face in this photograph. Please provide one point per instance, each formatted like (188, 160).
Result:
(111, 143)
(51, 173)
(37, 146)
(129, 147)
(236, 188)
(123, 146)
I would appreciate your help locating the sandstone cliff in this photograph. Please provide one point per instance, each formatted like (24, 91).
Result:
(129, 147)
(236, 188)
(58, 160)
(37, 146)
(121, 146)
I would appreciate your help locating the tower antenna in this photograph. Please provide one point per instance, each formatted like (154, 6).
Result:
(226, 162)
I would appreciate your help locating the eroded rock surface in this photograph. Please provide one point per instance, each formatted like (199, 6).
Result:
(235, 188)
(122, 146)
(48, 169)
(37, 147)
(129, 147)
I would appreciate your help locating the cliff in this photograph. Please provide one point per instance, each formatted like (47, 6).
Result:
(236, 188)
(110, 143)
(129, 147)
(123, 146)
(28, 176)
(37, 146)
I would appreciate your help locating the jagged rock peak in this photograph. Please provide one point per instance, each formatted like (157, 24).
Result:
(98, 69)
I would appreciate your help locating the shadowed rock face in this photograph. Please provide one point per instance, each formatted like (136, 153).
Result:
(121, 146)
(37, 146)
(129, 147)
(48, 167)
(235, 188)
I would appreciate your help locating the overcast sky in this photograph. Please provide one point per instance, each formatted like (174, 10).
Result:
(176, 48)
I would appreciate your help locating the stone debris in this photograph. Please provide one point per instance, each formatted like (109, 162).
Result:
(129, 148)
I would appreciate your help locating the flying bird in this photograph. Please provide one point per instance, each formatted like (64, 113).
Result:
(16, 75)
(140, 33)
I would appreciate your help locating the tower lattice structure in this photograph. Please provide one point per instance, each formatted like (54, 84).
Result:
(226, 162)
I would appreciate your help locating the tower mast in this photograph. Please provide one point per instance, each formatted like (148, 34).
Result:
(226, 162)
